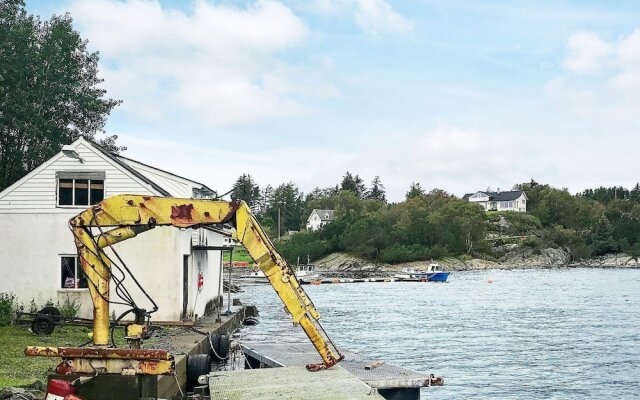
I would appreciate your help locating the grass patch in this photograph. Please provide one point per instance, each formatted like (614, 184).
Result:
(18, 369)
(239, 254)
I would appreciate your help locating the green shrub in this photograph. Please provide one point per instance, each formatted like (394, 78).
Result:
(531, 242)
(69, 308)
(33, 307)
(7, 308)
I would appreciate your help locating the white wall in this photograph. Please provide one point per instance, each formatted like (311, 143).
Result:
(314, 222)
(38, 193)
(35, 235)
(209, 263)
(30, 263)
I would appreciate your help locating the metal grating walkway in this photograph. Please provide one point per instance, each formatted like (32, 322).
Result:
(289, 383)
(386, 376)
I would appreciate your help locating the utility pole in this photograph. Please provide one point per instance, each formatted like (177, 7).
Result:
(278, 223)
(228, 312)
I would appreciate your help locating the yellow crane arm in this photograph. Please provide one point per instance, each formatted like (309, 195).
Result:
(125, 216)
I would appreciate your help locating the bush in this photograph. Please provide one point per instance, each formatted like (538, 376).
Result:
(33, 307)
(69, 308)
(531, 242)
(7, 308)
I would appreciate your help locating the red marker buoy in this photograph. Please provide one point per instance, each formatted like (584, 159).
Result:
(490, 280)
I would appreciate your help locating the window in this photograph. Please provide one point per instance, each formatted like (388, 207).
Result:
(72, 276)
(81, 188)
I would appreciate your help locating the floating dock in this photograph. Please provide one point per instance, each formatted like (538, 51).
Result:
(391, 381)
(289, 383)
(324, 281)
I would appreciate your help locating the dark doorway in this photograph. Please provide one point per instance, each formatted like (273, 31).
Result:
(185, 285)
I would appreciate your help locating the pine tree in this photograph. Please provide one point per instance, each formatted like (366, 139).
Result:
(377, 191)
(414, 191)
(247, 190)
(353, 183)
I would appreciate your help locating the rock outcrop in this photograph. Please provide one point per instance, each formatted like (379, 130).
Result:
(546, 258)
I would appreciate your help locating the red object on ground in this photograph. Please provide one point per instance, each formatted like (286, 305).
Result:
(58, 389)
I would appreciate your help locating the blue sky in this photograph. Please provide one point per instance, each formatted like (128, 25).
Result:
(459, 95)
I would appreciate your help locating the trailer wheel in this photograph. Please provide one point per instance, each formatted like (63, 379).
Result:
(52, 312)
(197, 364)
(43, 325)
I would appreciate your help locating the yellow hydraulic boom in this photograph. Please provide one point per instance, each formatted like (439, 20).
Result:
(125, 216)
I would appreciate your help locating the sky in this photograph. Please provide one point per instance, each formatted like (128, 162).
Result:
(457, 95)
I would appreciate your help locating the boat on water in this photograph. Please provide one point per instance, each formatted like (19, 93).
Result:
(303, 272)
(434, 273)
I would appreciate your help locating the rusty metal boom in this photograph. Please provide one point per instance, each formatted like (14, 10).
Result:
(126, 216)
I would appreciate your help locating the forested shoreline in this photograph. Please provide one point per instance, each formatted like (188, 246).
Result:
(437, 224)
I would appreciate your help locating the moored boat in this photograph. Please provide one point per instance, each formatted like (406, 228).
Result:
(303, 273)
(434, 273)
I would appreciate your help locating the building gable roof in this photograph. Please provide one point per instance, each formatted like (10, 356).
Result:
(202, 186)
(509, 195)
(325, 215)
(468, 195)
(129, 169)
(115, 159)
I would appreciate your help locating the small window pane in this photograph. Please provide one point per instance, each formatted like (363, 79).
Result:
(65, 192)
(82, 192)
(68, 273)
(97, 191)
(82, 278)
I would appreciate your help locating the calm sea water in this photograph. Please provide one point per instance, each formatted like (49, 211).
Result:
(532, 334)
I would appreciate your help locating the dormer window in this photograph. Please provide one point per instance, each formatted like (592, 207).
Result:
(80, 188)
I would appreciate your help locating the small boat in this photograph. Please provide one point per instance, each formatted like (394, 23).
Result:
(304, 272)
(407, 275)
(433, 274)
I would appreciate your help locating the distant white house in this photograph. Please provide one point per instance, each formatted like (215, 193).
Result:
(319, 218)
(37, 253)
(513, 200)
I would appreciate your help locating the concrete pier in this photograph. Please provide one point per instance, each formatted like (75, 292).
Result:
(391, 381)
(291, 383)
(189, 343)
(181, 342)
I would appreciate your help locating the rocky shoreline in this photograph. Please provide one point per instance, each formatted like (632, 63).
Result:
(547, 258)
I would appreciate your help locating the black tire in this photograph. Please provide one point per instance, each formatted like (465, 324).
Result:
(43, 325)
(197, 364)
(223, 348)
(215, 343)
(52, 312)
(250, 321)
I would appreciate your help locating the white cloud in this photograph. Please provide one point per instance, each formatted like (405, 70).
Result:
(216, 62)
(610, 97)
(629, 50)
(377, 16)
(587, 53)
(372, 16)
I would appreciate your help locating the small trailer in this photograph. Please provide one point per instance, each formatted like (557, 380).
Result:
(45, 321)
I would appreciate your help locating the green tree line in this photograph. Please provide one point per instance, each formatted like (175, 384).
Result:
(49, 90)
(437, 224)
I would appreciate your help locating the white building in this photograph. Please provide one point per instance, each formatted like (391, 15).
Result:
(319, 218)
(513, 200)
(37, 253)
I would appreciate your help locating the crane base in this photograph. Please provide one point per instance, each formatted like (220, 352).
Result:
(100, 360)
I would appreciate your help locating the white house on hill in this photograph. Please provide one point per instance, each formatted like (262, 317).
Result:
(37, 253)
(319, 218)
(513, 200)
